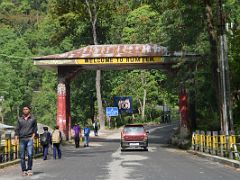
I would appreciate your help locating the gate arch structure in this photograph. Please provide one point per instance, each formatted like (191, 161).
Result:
(108, 57)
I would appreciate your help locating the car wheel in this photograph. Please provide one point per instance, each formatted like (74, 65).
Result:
(145, 148)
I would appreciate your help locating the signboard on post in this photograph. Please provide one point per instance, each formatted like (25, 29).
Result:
(124, 104)
(111, 111)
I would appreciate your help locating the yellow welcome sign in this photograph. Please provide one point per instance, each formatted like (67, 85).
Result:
(127, 60)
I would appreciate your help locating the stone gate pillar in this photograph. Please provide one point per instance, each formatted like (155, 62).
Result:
(63, 107)
(183, 106)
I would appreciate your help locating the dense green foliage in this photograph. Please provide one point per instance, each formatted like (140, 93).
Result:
(30, 28)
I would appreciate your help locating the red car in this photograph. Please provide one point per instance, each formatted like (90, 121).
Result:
(134, 135)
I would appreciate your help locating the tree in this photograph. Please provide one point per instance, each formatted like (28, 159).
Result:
(141, 26)
(17, 72)
(232, 13)
(93, 15)
(190, 26)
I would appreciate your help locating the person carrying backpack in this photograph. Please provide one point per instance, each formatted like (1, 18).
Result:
(45, 140)
(56, 141)
(86, 136)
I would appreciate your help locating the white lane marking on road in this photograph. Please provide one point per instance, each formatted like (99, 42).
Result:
(123, 165)
(19, 177)
(172, 150)
(94, 144)
(156, 128)
(152, 149)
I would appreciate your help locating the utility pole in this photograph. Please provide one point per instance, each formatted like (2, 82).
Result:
(224, 74)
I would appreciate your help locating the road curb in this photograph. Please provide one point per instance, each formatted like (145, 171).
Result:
(223, 160)
(10, 163)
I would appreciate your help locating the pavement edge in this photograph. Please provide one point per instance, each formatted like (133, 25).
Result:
(10, 163)
(222, 160)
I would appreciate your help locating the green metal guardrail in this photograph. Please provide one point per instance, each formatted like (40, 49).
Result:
(216, 143)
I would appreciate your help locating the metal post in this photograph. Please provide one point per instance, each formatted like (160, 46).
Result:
(109, 122)
(215, 144)
(224, 75)
(202, 136)
(193, 140)
(223, 87)
(209, 141)
(197, 140)
(7, 146)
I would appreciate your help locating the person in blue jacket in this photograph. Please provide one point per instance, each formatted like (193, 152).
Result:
(86, 136)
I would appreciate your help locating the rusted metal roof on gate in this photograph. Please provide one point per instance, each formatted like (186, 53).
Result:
(110, 51)
(118, 56)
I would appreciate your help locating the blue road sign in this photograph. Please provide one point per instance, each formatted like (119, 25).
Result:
(111, 111)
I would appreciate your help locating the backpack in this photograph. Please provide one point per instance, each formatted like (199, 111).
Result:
(56, 137)
(44, 139)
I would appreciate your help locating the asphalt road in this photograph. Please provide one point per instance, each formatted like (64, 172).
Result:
(103, 160)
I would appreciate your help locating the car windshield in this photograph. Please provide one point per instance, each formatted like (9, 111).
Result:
(133, 129)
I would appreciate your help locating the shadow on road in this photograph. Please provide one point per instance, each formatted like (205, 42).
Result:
(133, 150)
(37, 173)
(100, 139)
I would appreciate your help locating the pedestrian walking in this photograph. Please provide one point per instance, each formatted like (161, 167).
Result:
(95, 126)
(26, 129)
(86, 136)
(45, 140)
(56, 142)
(77, 134)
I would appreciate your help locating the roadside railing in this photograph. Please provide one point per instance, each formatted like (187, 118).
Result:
(9, 150)
(216, 143)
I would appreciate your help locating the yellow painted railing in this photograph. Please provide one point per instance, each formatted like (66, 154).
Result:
(9, 150)
(217, 144)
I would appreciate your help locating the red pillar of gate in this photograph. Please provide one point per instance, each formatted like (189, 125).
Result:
(68, 109)
(61, 107)
(183, 106)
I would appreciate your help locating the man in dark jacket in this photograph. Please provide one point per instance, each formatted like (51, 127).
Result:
(26, 129)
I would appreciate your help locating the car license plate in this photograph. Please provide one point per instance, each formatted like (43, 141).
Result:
(134, 144)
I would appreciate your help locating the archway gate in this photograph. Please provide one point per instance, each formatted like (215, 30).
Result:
(108, 57)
